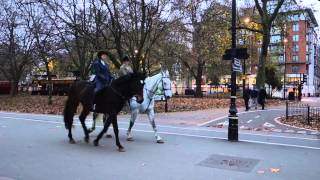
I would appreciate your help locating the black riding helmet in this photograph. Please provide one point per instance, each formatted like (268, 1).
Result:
(100, 53)
(125, 58)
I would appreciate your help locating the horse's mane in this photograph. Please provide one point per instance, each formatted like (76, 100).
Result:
(122, 79)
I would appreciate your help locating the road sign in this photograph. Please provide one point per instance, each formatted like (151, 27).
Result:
(239, 53)
(236, 66)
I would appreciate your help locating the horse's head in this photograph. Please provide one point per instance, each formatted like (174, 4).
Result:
(165, 84)
(136, 85)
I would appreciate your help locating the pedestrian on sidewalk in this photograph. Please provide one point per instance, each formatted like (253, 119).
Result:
(246, 98)
(254, 96)
(262, 97)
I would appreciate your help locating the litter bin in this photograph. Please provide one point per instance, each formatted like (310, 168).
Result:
(291, 96)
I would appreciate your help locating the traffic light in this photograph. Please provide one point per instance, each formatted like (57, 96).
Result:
(305, 78)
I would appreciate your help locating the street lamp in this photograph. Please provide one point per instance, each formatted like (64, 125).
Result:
(233, 117)
(285, 41)
(246, 20)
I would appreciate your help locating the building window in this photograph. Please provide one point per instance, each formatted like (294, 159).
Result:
(280, 59)
(295, 27)
(295, 48)
(295, 69)
(296, 17)
(307, 58)
(295, 38)
(275, 39)
(295, 58)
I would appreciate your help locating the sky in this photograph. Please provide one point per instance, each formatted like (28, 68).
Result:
(315, 6)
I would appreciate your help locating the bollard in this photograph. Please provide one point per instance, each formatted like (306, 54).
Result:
(287, 110)
(308, 115)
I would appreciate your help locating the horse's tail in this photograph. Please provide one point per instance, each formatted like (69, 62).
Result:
(70, 108)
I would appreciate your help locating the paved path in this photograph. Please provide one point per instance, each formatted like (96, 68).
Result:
(36, 147)
(259, 120)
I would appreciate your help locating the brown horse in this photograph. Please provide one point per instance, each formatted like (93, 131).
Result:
(109, 100)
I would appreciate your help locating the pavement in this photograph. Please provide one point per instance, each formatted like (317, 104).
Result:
(36, 147)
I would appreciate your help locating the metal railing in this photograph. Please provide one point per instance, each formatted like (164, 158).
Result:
(304, 112)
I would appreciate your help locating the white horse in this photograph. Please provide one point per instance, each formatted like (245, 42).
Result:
(160, 81)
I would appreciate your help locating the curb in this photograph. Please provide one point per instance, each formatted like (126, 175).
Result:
(278, 122)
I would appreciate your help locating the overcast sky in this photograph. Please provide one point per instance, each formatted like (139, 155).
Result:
(315, 5)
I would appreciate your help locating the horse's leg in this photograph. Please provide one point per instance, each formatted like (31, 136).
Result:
(69, 115)
(133, 118)
(71, 140)
(94, 118)
(116, 133)
(105, 128)
(153, 124)
(104, 121)
(82, 119)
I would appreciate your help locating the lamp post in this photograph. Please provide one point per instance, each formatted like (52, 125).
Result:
(285, 40)
(233, 117)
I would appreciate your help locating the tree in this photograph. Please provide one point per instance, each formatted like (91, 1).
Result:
(273, 77)
(135, 27)
(43, 34)
(202, 23)
(79, 25)
(16, 45)
(267, 15)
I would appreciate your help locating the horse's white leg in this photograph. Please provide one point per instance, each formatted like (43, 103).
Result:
(153, 124)
(134, 114)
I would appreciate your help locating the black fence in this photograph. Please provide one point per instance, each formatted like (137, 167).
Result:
(306, 113)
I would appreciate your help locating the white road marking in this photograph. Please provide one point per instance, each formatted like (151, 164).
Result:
(266, 124)
(301, 132)
(249, 121)
(180, 128)
(225, 123)
(188, 135)
(277, 130)
(244, 112)
(289, 131)
(257, 116)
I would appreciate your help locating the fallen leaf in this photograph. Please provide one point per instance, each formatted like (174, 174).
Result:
(275, 170)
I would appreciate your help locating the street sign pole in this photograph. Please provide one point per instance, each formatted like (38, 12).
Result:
(233, 117)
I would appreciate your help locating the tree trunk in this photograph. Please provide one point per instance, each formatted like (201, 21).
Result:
(261, 75)
(50, 85)
(198, 92)
(14, 88)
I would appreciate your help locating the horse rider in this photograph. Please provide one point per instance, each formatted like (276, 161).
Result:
(103, 76)
(125, 67)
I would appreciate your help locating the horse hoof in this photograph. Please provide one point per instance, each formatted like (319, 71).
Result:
(129, 139)
(121, 149)
(72, 141)
(87, 139)
(108, 136)
(95, 143)
(160, 141)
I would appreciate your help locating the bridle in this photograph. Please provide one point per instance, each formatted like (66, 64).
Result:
(150, 93)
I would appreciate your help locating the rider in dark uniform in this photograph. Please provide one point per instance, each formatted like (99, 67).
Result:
(103, 76)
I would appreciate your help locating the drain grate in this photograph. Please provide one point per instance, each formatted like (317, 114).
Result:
(229, 163)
